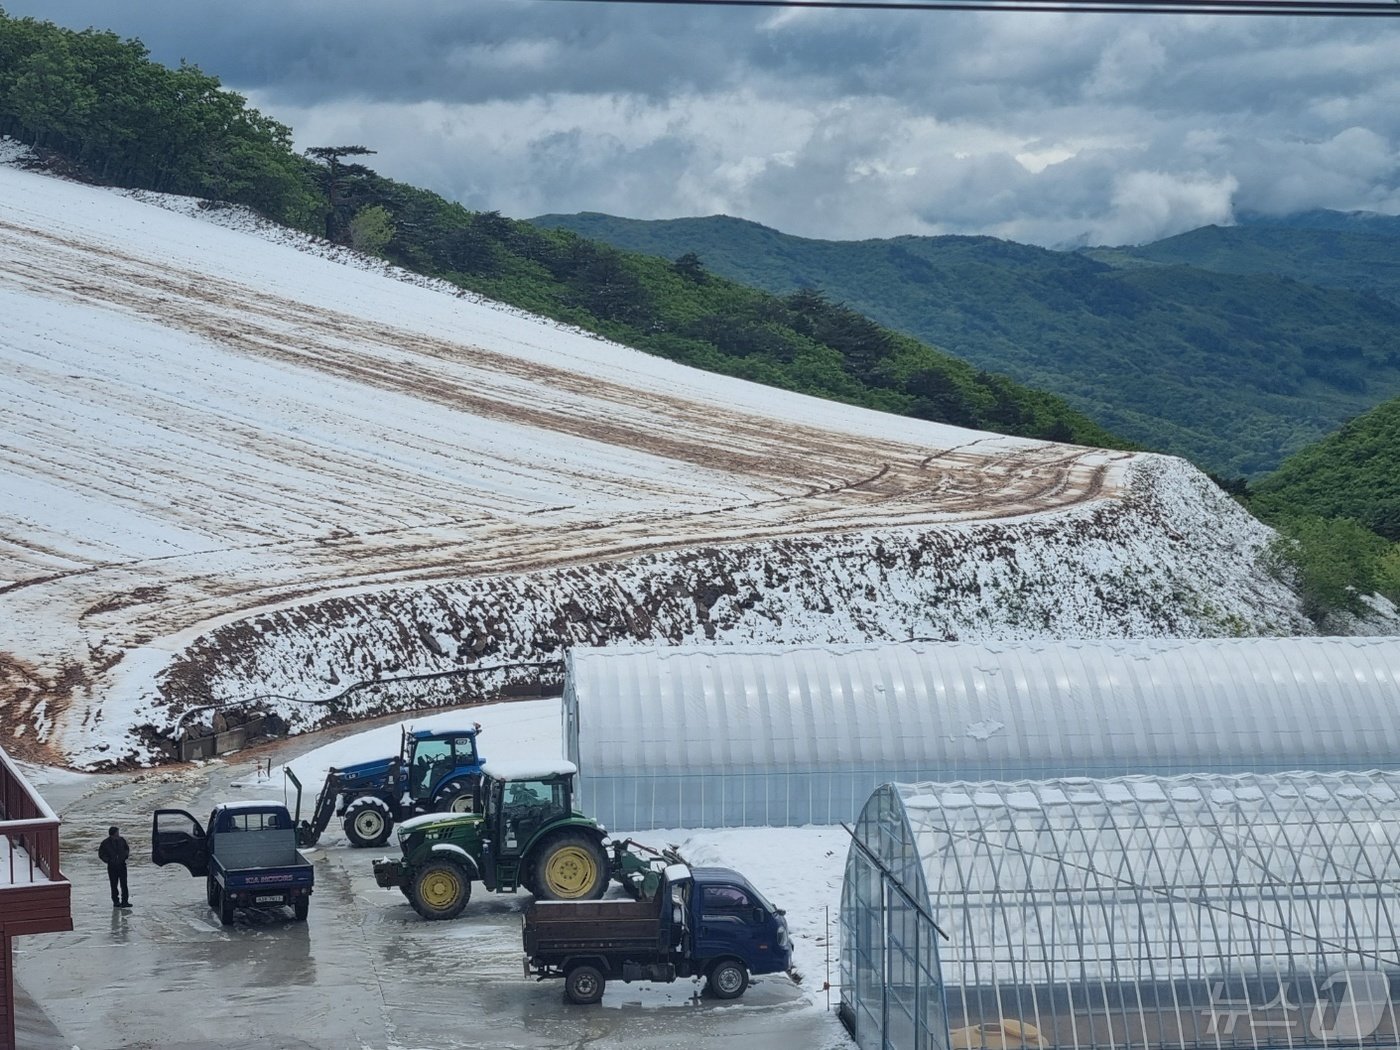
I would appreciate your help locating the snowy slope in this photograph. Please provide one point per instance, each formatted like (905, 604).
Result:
(240, 463)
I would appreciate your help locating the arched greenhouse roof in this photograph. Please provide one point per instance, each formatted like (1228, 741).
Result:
(1145, 911)
(1156, 877)
(699, 736)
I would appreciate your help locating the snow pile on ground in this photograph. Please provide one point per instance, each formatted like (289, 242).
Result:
(1166, 561)
(12, 151)
(247, 468)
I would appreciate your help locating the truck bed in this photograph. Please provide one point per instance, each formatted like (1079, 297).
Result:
(553, 927)
(240, 851)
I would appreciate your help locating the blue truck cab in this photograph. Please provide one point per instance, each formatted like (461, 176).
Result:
(247, 854)
(706, 923)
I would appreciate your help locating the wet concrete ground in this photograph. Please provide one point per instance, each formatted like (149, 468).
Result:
(364, 973)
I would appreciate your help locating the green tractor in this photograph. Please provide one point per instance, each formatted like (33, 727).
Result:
(527, 833)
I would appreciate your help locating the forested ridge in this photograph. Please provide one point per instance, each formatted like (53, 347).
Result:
(97, 101)
(112, 115)
(1338, 505)
(1359, 256)
(1354, 473)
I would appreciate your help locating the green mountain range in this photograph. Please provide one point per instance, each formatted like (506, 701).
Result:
(1234, 348)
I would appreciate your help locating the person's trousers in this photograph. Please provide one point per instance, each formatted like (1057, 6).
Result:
(116, 875)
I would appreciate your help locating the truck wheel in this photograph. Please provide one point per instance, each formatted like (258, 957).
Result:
(367, 822)
(570, 867)
(584, 985)
(300, 907)
(225, 908)
(727, 979)
(211, 891)
(457, 796)
(441, 890)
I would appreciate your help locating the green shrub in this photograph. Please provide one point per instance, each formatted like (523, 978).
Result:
(1334, 563)
(371, 229)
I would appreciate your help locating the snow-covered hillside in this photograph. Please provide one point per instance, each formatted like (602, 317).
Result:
(239, 463)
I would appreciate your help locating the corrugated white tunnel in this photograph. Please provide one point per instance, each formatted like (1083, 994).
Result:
(713, 736)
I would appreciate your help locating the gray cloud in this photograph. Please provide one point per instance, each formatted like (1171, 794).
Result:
(1050, 128)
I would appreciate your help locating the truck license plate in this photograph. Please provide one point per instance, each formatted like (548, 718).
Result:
(268, 898)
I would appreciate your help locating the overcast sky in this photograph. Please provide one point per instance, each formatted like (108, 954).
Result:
(1055, 129)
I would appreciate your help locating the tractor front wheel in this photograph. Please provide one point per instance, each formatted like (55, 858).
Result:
(570, 867)
(441, 890)
(367, 822)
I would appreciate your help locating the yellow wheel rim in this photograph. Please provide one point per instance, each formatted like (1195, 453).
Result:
(440, 889)
(570, 872)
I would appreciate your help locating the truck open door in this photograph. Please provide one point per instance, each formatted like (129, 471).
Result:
(178, 838)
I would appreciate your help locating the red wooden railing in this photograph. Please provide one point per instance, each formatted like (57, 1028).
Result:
(27, 822)
(35, 896)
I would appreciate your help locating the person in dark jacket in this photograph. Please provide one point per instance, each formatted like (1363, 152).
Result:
(113, 852)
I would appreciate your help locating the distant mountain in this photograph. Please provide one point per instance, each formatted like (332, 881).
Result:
(1367, 222)
(1354, 473)
(1363, 255)
(1212, 354)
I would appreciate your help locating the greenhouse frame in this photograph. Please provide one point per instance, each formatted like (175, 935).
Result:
(734, 736)
(1201, 911)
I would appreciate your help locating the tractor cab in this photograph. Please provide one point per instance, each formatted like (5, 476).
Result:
(516, 809)
(526, 803)
(431, 758)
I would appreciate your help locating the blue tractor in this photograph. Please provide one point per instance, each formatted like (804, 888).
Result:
(434, 771)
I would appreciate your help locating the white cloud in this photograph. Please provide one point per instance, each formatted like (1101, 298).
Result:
(1145, 202)
(1043, 127)
(1127, 64)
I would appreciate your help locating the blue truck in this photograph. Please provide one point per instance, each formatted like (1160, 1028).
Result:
(247, 855)
(702, 922)
(434, 771)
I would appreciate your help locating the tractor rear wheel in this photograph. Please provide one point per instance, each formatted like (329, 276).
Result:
(569, 867)
(367, 822)
(441, 890)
